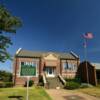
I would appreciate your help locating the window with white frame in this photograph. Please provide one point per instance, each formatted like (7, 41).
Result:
(65, 65)
(69, 66)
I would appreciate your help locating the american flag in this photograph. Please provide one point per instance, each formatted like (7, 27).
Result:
(88, 35)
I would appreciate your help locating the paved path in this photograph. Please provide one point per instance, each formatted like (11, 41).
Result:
(62, 94)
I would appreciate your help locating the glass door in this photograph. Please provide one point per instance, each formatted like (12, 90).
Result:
(50, 71)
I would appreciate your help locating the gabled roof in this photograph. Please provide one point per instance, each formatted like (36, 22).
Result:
(26, 53)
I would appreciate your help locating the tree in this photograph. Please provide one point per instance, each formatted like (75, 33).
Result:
(8, 24)
(5, 76)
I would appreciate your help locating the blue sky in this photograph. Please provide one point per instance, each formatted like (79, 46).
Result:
(56, 25)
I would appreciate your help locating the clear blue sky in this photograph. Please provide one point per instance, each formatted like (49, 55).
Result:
(56, 25)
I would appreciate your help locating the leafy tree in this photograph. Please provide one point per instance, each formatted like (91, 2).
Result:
(5, 76)
(8, 24)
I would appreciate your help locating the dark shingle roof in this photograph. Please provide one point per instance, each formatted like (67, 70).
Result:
(26, 53)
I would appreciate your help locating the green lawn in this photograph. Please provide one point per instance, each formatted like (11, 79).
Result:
(19, 93)
(94, 91)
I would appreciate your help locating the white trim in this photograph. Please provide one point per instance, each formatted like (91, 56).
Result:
(50, 56)
(74, 54)
(51, 75)
(44, 79)
(47, 72)
(18, 50)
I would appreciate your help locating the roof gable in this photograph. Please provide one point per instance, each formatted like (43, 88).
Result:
(50, 56)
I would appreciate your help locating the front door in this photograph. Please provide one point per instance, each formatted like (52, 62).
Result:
(50, 72)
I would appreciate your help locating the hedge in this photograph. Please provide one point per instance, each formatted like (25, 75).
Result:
(6, 84)
(31, 82)
(72, 85)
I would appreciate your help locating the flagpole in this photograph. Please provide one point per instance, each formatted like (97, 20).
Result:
(85, 54)
(86, 36)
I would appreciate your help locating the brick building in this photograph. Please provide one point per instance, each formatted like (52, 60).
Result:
(50, 63)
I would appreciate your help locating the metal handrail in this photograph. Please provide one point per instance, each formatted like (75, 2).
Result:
(61, 78)
(44, 79)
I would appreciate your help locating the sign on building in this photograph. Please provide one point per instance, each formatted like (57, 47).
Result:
(28, 69)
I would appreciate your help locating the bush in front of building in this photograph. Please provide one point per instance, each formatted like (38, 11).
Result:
(6, 84)
(9, 84)
(76, 79)
(2, 84)
(72, 85)
(5, 76)
(31, 82)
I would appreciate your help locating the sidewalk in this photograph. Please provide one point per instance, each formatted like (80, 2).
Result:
(62, 94)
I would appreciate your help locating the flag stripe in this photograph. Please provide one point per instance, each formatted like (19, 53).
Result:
(88, 35)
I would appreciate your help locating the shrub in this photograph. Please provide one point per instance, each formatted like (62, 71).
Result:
(8, 84)
(31, 82)
(69, 79)
(2, 84)
(73, 79)
(5, 76)
(72, 85)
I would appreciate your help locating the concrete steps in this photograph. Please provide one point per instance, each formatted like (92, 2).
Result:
(54, 82)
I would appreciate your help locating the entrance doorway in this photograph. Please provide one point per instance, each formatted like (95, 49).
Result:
(50, 71)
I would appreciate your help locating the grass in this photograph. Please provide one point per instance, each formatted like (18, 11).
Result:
(94, 91)
(19, 93)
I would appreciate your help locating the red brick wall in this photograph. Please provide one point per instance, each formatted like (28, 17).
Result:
(70, 73)
(40, 66)
(16, 73)
(58, 67)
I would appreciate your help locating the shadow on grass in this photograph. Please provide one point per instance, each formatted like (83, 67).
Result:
(16, 97)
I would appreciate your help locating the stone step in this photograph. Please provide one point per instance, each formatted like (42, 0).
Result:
(54, 82)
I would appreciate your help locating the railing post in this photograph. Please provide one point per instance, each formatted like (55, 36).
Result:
(61, 78)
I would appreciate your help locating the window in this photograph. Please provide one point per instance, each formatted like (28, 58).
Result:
(65, 66)
(69, 66)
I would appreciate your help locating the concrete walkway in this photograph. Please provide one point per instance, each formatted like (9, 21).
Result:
(62, 94)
